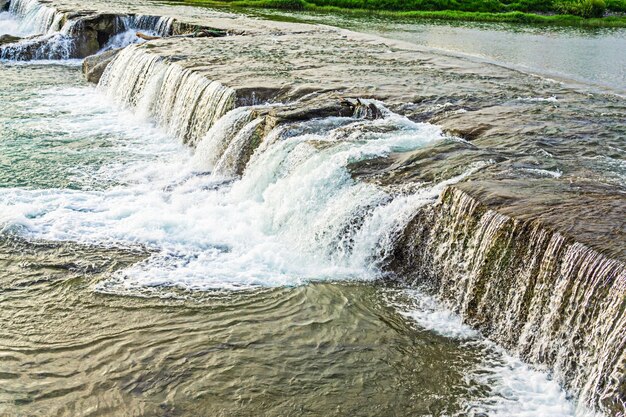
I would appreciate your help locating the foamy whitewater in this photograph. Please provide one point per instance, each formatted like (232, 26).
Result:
(46, 37)
(290, 219)
(291, 215)
(296, 214)
(517, 390)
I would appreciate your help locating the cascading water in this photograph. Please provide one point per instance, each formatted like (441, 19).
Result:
(181, 100)
(256, 207)
(35, 17)
(130, 25)
(63, 39)
(295, 215)
(553, 301)
(59, 45)
(159, 25)
(297, 175)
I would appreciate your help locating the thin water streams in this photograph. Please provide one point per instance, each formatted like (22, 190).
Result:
(139, 278)
(77, 169)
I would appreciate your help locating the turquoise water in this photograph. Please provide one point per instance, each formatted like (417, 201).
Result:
(58, 132)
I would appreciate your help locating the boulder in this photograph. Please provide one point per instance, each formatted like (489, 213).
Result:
(91, 33)
(94, 65)
(6, 39)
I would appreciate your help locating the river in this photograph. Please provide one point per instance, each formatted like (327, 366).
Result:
(135, 281)
(591, 57)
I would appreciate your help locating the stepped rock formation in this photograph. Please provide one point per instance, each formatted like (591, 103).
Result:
(534, 259)
(530, 249)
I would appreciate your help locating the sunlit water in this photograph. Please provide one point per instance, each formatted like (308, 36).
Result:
(589, 56)
(133, 283)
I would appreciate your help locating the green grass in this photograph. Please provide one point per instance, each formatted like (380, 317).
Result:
(583, 13)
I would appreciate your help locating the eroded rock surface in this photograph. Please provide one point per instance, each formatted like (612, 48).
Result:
(549, 142)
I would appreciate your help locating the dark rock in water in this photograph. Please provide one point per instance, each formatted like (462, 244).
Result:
(181, 29)
(307, 110)
(91, 33)
(145, 37)
(4, 5)
(364, 109)
(87, 34)
(36, 47)
(86, 43)
(94, 65)
(6, 39)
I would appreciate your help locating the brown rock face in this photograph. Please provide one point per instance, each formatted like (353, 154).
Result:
(94, 65)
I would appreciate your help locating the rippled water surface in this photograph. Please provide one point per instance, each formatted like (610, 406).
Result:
(589, 56)
(326, 349)
(134, 283)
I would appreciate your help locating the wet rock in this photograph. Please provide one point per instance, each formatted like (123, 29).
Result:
(94, 65)
(4, 5)
(37, 47)
(145, 37)
(551, 299)
(180, 29)
(365, 109)
(86, 36)
(91, 33)
(6, 39)
(86, 43)
(315, 109)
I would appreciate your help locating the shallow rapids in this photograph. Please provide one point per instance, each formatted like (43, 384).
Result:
(295, 216)
(243, 277)
(98, 202)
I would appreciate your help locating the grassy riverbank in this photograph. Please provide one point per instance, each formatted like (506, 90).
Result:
(584, 13)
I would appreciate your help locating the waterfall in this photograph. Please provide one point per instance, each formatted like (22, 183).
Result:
(129, 25)
(37, 18)
(210, 150)
(159, 25)
(55, 45)
(555, 302)
(280, 207)
(184, 102)
(60, 38)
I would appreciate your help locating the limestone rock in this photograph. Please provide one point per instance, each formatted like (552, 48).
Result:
(94, 65)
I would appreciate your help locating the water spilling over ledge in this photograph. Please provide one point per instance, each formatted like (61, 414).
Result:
(51, 32)
(541, 294)
(493, 217)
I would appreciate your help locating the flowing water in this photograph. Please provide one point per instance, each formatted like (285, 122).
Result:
(592, 56)
(140, 278)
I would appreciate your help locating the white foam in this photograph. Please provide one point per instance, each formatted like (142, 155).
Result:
(294, 216)
(9, 24)
(552, 99)
(32, 18)
(515, 388)
(544, 172)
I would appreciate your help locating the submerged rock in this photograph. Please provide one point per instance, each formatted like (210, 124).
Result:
(94, 65)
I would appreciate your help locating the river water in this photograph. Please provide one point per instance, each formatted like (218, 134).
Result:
(135, 281)
(593, 57)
